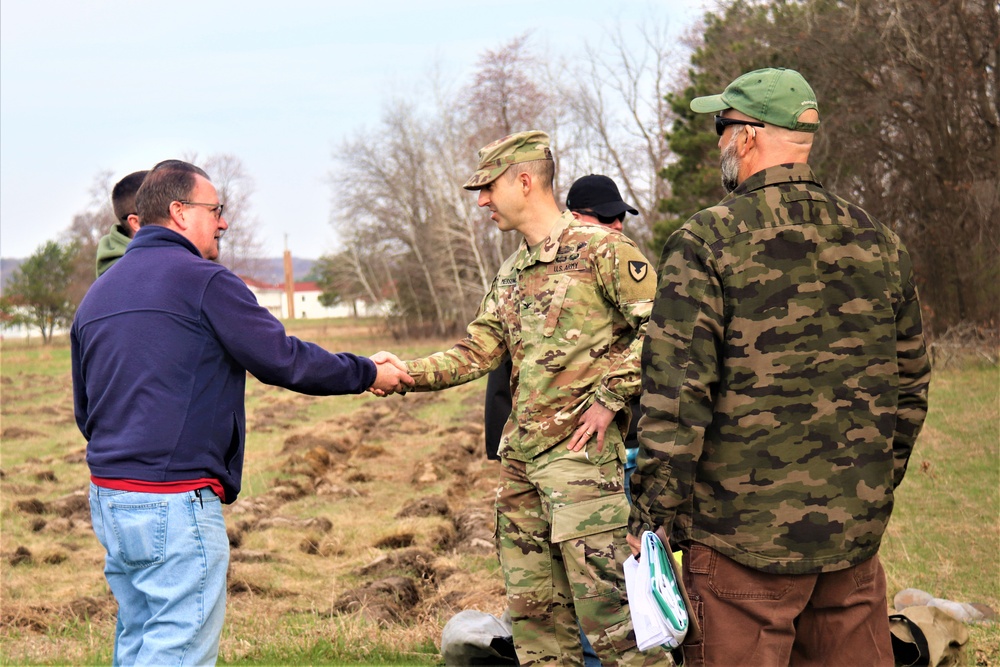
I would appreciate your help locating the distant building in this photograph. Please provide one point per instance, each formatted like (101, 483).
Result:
(306, 300)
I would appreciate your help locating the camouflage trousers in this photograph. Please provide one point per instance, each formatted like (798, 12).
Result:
(561, 536)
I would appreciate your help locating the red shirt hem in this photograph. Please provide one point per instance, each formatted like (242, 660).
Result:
(141, 486)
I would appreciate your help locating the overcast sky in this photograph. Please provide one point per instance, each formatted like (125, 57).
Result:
(118, 85)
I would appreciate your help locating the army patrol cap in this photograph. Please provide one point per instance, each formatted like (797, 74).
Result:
(774, 95)
(497, 156)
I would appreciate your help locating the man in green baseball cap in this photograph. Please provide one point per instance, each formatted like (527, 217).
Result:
(774, 95)
(784, 386)
(779, 100)
(569, 308)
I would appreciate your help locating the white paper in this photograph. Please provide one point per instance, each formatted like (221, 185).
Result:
(647, 621)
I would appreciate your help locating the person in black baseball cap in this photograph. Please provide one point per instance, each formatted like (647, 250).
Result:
(595, 199)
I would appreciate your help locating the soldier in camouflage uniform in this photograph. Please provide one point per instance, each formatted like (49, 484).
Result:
(784, 383)
(570, 307)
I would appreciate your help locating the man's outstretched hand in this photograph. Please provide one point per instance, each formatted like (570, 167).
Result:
(392, 376)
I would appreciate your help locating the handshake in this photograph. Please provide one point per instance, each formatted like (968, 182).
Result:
(392, 377)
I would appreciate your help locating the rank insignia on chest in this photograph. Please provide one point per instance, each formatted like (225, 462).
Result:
(637, 270)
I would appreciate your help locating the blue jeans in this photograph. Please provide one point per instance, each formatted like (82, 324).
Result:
(167, 556)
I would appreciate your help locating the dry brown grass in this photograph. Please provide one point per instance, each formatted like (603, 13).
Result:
(340, 493)
(314, 532)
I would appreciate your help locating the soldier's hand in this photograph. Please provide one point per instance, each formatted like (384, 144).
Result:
(594, 421)
(391, 374)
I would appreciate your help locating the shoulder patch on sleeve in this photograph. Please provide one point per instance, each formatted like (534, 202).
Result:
(636, 276)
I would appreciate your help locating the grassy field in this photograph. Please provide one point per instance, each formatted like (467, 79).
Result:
(365, 523)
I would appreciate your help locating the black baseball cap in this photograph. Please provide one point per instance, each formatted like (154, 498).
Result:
(599, 194)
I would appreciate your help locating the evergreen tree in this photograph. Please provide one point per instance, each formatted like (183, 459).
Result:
(39, 288)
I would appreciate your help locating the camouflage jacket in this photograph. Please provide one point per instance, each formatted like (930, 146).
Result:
(571, 311)
(784, 378)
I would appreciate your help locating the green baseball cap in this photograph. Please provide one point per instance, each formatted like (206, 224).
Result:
(774, 95)
(497, 156)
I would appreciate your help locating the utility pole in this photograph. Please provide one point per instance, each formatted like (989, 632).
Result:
(289, 281)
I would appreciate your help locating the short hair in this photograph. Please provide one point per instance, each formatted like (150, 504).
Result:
(167, 182)
(123, 195)
(543, 170)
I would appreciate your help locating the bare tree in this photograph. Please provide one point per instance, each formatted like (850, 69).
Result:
(414, 235)
(241, 249)
(505, 95)
(510, 91)
(620, 118)
(84, 233)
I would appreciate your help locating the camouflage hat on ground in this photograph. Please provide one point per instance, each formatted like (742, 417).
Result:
(774, 95)
(497, 156)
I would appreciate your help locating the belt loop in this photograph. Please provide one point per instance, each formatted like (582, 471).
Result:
(197, 492)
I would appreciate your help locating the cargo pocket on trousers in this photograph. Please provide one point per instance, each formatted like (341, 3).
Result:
(588, 517)
(591, 534)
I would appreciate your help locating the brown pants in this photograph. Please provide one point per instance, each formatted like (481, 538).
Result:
(749, 617)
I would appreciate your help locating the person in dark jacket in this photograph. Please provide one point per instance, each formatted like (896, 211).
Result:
(160, 351)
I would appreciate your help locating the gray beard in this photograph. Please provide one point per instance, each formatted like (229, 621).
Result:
(729, 167)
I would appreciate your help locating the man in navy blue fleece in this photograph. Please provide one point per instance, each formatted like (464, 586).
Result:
(161, 347)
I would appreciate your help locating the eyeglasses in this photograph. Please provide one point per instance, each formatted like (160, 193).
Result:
(721, 123)
(603, 219)
(216, 209)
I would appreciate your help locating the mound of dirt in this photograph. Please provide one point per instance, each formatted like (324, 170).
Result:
(327, 486)
(475, 530)
(286, 490)
(59, 526)
(31, 506)
(429, 506)
(419, 562)
(77, 456)
(440, 537)
(369, 451)
(310, 544)
(427, 472)
(18, 433)
(384, 601)
(21, 556)
(320, 438)
(74, 505)
(317, 523)
(87, 607)
(465, 590)
(26, 618)
(395, 541)
(247, 556)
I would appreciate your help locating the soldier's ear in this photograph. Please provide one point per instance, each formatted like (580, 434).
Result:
(526, 181)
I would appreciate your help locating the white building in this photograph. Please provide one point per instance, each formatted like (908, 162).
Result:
(305, 298)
